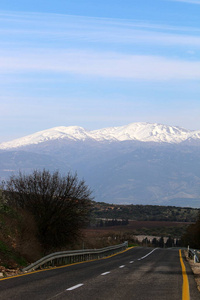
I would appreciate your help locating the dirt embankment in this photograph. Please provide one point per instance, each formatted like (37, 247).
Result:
(4, 272)
(195, 269)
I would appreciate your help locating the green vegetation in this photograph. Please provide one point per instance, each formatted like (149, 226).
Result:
(148, 220)
(16, 229)
(43, 212)
(144, 212)
(192, 235)
(10, 256)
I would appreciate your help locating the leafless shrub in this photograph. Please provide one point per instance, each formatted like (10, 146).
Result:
(59, 204)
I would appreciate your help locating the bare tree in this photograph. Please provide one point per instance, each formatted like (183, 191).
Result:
(60, 204)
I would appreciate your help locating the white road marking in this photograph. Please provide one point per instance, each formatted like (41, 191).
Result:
(131, 262)
(74, 287)
(105, 273)
(147, 254)
(122, 266)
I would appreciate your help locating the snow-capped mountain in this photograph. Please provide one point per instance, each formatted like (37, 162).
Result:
(140, 163)
(143, 132)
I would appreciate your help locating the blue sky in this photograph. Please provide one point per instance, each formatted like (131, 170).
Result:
(98, 63)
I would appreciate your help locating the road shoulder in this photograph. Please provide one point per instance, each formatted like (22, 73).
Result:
(195, 269)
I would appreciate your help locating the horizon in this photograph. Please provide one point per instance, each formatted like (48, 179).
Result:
(98, 65)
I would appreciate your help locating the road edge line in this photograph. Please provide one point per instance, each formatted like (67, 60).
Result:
(185, 287)
(65, 266)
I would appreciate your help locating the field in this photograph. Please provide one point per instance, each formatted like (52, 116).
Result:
(135, 230)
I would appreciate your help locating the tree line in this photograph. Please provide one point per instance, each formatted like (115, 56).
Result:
(103, 210)
(109, 223)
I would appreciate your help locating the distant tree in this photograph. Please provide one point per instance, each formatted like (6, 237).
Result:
(192, 235)
(145, 242)
(161, 243)
(60, 204)
(155, 242)
(178, 242)
(170, 242)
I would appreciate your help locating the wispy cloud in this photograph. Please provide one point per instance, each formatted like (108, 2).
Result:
(28, 29)
(105, 65)
(107, 48)
(188, 1)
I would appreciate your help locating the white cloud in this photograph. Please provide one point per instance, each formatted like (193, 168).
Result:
(188, 1)
(31, 28)
(41, 42)
(106, 65)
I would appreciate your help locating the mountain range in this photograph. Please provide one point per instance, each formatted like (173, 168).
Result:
(139, 163)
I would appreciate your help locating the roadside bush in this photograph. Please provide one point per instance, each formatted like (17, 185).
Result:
(192, 235)
(60, 204)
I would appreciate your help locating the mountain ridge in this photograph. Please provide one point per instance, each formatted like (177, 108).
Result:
(139, 163)
(140, 131)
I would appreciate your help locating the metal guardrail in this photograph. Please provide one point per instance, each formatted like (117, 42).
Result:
(69, 257)
(194, 254)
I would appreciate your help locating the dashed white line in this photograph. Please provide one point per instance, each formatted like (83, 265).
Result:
(131, 262)
(147, 254)
(103, 274)
(74, 287)
(106, 273)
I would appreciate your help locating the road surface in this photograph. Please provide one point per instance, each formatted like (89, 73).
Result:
(139, 273)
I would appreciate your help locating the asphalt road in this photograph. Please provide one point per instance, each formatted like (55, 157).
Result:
(139, 273)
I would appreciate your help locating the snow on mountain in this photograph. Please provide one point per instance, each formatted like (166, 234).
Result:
(145, 132)
(62, 132)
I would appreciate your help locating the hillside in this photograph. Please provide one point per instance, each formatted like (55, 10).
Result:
(18, 238)
(140, 163)
(139, 221)
(144, 212)
(19, 244)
